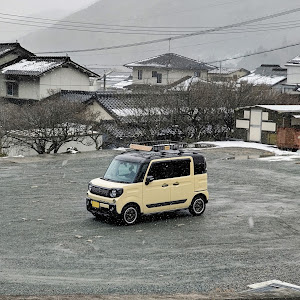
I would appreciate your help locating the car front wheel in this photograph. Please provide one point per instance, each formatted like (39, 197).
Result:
(130, 214)
(197, 206)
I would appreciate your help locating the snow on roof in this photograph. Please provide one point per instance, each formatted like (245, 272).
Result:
(294, 61)
(281, 108)
(3, 51)
(257, 79)
(185, 85)
(4, 48)
(31, 67)
(224, 71)
(133, 111)
(122, 84)
(296, 116)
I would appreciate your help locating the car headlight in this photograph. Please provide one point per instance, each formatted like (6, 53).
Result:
(114, 193)
(89, 187)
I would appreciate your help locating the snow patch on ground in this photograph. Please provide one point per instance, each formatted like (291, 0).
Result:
(279, 155)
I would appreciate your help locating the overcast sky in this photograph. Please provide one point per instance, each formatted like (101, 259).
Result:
(28, 7)
(53, 9)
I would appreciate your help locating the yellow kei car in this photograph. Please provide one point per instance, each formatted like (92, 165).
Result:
(144, 182)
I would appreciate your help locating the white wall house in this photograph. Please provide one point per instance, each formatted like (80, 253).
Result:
(167, 69)
(36, 78)
(292, 85)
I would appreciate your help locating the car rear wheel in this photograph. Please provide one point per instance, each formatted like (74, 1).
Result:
(130, 214)
(197, 206)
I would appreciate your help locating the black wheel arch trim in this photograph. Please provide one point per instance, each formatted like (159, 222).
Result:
(202, 196)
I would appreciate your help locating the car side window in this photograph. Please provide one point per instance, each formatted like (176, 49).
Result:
(181, 167)
(160, 170)
(199, 165)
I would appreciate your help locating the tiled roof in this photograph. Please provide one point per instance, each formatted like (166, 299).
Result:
(37, 65)
(76, 96)
(266, 74)
(8, 47)
(4, 48)
(257, 79)
(118, 105)
(171, 61)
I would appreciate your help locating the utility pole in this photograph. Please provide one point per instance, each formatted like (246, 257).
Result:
(169, 60)
(104, 82)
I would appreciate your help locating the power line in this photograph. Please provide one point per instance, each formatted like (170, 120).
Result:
(201, 32)
(115, 25)
(94, 24)
(256, 53)
(251, 54)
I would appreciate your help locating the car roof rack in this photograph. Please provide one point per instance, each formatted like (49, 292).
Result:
(159, 145)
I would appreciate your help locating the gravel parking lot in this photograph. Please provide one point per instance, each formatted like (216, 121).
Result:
(50, 244)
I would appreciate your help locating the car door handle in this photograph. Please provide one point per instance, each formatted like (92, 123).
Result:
(165, 185)
(176, 183)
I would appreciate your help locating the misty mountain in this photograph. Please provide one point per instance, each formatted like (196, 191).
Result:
(12, 31)
(164, 18)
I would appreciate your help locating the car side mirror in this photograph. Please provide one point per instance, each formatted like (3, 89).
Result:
(149, 179)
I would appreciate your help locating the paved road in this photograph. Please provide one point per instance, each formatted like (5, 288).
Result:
(50, 245)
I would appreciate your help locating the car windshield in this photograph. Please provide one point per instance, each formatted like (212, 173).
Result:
(122, 171)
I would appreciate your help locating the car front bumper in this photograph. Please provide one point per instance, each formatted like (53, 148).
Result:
(97, 207)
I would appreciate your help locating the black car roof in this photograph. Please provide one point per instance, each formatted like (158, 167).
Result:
(147, 156)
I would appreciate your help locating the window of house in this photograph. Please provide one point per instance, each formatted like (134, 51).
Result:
(140, 74)
(12, 89)
(159, 77)
(154, 73)
(197, 74)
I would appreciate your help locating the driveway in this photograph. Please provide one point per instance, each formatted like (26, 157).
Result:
(50, 244)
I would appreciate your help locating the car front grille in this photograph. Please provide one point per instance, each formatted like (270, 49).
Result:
(100, 191)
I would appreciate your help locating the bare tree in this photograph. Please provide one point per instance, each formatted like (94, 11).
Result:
(47, 125)
(148, 116)
(205, 111)
(6, 123)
